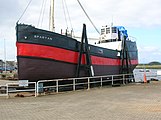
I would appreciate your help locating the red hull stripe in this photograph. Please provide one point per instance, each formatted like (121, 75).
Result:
(60, 54)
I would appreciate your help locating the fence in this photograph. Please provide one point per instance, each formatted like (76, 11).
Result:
(15, 87)
(3, 90)
(69, 84)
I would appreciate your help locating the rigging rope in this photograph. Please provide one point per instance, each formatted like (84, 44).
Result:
(41, 16)
(40, 13)
(64, 13)
(68, 14)
(24, 11)
(88, 17)
(43, 13)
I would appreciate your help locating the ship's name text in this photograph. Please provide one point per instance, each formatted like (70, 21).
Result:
(43, 37)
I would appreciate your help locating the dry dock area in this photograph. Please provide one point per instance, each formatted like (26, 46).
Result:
(130, 102)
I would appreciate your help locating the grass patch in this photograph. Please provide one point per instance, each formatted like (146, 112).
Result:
(148, 66)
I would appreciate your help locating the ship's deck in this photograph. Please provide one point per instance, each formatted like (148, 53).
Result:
(130, 102)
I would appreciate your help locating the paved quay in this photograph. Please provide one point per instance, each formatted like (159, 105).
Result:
(130, 102)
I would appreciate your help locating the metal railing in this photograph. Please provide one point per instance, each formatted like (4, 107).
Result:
(3, 90)
(15, 88)
(69, 84)
(56, 85)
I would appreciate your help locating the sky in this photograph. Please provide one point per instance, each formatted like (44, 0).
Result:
(141, 18)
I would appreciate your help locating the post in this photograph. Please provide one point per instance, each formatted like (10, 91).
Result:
(57, 86)
(51, 20)
(7, 92)
(73, 84)
(88, 84)
(112, 79)
(35, 89)
(101, 81)
(5, 65)
(123, 79)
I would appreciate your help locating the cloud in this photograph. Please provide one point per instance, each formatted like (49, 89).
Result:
(148, 49)
(149, 53)
(131, 13)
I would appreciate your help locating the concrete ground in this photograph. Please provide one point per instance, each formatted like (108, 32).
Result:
(131, 102)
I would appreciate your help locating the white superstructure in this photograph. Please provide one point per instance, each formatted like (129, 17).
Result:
(112, 37)
(111, 45)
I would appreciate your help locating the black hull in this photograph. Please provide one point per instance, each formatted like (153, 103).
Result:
(42, 69)
(46, 55)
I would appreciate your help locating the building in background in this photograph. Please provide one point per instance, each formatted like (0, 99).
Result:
(10, 65)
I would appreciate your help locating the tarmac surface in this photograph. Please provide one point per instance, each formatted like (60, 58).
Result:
(129, 102)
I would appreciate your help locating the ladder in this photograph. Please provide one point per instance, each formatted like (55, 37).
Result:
(84, 50)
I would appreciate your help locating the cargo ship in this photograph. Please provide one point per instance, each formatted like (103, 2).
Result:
(43, 55)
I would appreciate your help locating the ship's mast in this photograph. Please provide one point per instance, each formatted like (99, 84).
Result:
(51, 19)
